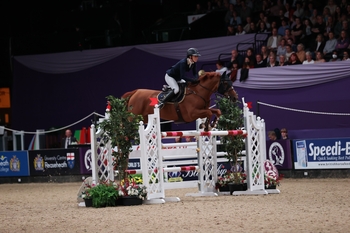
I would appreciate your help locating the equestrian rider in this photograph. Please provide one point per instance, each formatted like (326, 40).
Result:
(176, 74)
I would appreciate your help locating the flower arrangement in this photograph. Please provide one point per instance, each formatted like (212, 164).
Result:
(131, 188)
(231, 177)
(272, 181)
(104, 194)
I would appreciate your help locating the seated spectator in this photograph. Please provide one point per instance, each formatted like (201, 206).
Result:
(309, 59)
(342, 42)
(282, 29)
(272, 61)
(235, 19)
(259, 62)
(267, 23)
(319, 58)
(307, 37)
(230, 30)
(330, 25)
(233, 71)
(282, 60)
(289, 11)
(248, 64)
(318, 45)
(287, 34)
(281, 49)
(220, 68)
(273, 40)
(340, 25)
(284, 134)
(292, 45)
(301, 52)
(272, 135)
(245, 11)
(253, 28)
(335, 56)
(293, 60)
(346, 56)
(329, 46)
(313, 17)
(250, 55)
(281, 18)
(299, 11)
(246, 28)
(297, 30)
(331, 6)
(318, 27)
(264, 53)
(240, 30)
(228, 15)
(235, 56)
(262, 28)
(289, 51)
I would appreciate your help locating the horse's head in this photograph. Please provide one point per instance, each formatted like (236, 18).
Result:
(214, 82)
(226, 89)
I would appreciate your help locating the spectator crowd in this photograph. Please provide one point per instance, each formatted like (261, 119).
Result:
(299, 32)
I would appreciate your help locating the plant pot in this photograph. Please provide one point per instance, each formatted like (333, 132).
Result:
(224, 188)
(119, 201)
(88, 202)
(271, 187)
(245, 186)
(235, 187)
(131, 200)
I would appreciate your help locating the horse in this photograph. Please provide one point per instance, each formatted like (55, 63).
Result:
(194, 105)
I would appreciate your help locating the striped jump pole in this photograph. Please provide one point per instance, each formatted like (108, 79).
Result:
(166, 169)
(203, 133)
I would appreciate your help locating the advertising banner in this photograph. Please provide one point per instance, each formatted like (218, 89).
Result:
(331, 153)
(54, 162)
(14, 163)
(279, 153)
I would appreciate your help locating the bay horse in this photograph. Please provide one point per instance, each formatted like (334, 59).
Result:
(194, 105)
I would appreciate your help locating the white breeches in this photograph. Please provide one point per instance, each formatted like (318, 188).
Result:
(172, 83)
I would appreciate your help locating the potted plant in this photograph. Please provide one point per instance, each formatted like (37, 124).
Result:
(104, 194)
(122, 130)
(231, 119)
(132, 193)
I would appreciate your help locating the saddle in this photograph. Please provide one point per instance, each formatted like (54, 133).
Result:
(177, 98)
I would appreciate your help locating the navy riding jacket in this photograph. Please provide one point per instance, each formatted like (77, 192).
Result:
(179, 70)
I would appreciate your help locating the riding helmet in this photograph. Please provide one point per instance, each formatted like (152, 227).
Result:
(193, 52)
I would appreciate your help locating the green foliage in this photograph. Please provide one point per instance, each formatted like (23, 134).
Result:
(122, 130)
(103, 195)
(231, 119)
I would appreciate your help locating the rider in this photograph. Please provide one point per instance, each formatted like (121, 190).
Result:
(176, 74)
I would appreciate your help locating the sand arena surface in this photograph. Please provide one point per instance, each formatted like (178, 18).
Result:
(304, 205)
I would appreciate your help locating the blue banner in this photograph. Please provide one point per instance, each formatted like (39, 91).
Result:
(14, 163)
(322, 153)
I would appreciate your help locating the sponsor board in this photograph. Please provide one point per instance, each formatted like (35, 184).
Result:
(322, 153)
(14, 163)
(54, 162)
(279, 153)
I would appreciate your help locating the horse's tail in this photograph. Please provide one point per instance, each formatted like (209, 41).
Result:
(127, 95)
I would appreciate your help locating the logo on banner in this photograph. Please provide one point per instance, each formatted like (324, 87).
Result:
(70, 160)
(15, 164)
(3, 163)
(39, 163)
(276, 154)
(87, 160)
(175, 176)
(270, 170)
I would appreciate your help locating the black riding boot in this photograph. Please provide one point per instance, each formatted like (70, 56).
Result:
(166, 99)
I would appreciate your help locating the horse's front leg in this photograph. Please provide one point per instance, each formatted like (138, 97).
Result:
(217, 114)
